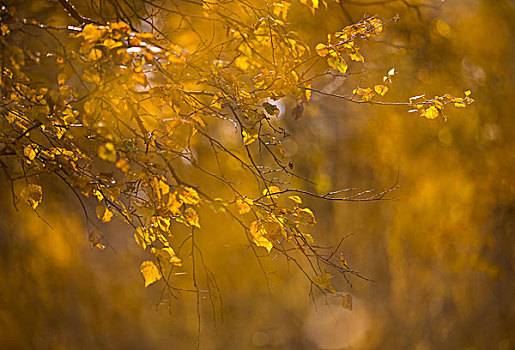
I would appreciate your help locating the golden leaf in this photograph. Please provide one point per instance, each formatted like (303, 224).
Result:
(248, 138)
(91, 76)
(296, 199)
(356, 56)
(346, 302)
(29, 152)
(95, 54)
(306, 216)
(123, 165)
(189, 196)
(150, 272)
(191, 217)
(381, 89)
(322, 50)
(92, 32)
(430, 113)
(159, 186)
(307, 92)
(140, 78)
(32, 194)
(258, 236)
(244, 205)
(271, 191)
(94, 239)
(242, 62)
(107, 152)
(338, 63)
(139, 237)
(112, 44)
(104, 214)
(173, 203)
(4, 29)
(366, 94)
(161, 222)
(98, 194)
(324, 281)
(167, 255)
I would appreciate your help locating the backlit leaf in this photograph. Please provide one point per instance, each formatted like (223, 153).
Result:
(104, 214)
(431, 113)
(32, 194)
(296, 199)
(271, 191)
(150, 272)
(244, 205)
(258, 236)
(346, 302)
(107, 152)
(191, 217)
(322, 50)
(94, 239)
(338, 63)
(381, 89)
(29, 152)
(324, 281)
(248, 138)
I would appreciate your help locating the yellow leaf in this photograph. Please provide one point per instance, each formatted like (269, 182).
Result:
(139, 237)
(140, 78)
(242, 62)
(458, 102)
(163, 223)
(324, 281)
(92, 32)
(322, 50)
(248, 138)
(381, 89)
(95, 54)
(188, 196)
(296, 199)
(29, 152)
(356, 56)
(306, 216)
(244, 205)
(107, 152)
(159, 186)
(366, 94)
(431, 113)
(307, 92)
(173, 204)
(4, 29)
(94, 239)
(123, 165)
(346, 302)
(150, 272)
(111, 44)
(338, 63)
(91, 76)
(167, 255)
(98, 194)
(104, 214)
(467, 93)
(32, 194)
(191, 217)
(270, 191)
(257, 231)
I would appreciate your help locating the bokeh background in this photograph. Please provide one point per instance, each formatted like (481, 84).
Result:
(441, 254)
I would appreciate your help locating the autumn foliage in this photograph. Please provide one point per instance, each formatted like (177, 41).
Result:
(156, 120)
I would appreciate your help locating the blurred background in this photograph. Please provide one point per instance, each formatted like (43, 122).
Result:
(440, 255)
